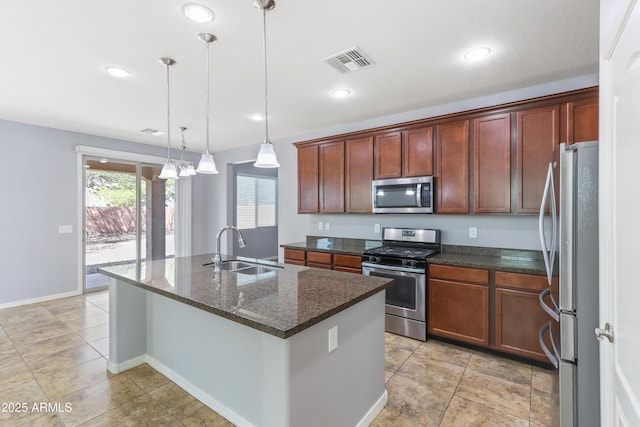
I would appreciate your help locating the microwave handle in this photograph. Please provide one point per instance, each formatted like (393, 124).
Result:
(419, 195)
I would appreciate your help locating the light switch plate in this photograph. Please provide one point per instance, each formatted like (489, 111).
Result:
(327, 226)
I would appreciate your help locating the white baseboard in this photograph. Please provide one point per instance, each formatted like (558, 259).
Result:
(116, 368)
(199, 394)
(374, 411)
(40, 299)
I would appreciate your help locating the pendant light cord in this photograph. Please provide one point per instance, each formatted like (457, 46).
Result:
(168, 117)
(264, 46)
(208, 103)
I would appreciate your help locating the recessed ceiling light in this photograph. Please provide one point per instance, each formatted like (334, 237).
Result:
(257, 117)
(198, 13)
(117, 72)
(477, 53)
(154, 132)
(341, 93)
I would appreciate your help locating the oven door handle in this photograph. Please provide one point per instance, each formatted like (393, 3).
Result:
(381, 269)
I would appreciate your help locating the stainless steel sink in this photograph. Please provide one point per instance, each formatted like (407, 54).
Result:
(256, 269)
(233, 265)
(245, 267)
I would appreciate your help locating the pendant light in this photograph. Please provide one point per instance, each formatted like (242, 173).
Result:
(266, 156)
(207, 165)
(186, 167)
(169, 170)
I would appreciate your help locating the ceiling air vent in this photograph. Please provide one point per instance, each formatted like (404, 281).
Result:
(349, 60)
(149, 131)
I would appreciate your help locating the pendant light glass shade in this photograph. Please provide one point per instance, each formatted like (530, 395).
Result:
(169, 171)
(267, 155)
(207, 165)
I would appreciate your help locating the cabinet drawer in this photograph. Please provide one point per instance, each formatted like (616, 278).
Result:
(459, 273)
(319, 265)
(297, 254)
(319, 257)
(348, 269)
(521, 281)
(347, 261)
(294, 262)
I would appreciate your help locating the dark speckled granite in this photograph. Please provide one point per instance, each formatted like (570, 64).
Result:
(281, 303)
(511, 260)
(340, 245)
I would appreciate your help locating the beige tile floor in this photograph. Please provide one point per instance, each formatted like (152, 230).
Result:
(53, 373)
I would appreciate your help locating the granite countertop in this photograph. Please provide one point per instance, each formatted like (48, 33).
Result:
(341, 245)
(281, 302)
(510, 260)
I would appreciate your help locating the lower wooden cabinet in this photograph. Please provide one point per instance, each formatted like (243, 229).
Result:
(518, 320)
(457, 309)
(326, 260)
(500, 311)
(294, 256)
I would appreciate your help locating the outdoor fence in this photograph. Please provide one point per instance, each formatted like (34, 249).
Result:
(103, 220)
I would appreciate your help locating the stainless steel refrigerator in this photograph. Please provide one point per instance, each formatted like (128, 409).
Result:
(569, 238)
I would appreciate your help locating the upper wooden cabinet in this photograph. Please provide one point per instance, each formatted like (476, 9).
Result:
(387, 155)
(580, 121)
(491, 144)
(331, 185)
(452, 167)
(308, 179)
(358, 174)
(538, 134)
(490, 160)
(417, 152)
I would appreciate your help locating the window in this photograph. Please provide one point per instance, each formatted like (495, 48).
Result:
(255, 201)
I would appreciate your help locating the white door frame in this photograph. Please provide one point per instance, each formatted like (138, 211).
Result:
(183, 201)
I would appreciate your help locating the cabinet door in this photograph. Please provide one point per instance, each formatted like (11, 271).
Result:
(492, 164)
(417, 152)
(519, 317)
(538, 133)
(580, 121)
(387, 154)
(308, 179)
(331, 177)
(358, 174)
(452, 166)
(459, 311)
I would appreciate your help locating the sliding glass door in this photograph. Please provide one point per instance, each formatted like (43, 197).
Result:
(129, 215)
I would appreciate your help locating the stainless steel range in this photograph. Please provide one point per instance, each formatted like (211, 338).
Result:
(403, 258)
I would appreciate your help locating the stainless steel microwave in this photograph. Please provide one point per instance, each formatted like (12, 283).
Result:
(403, 195)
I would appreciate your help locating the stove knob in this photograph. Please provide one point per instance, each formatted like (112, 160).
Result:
(374, 258)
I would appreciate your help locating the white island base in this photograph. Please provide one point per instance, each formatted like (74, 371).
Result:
(250, 377)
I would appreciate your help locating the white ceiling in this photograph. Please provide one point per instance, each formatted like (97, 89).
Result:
(54, 54)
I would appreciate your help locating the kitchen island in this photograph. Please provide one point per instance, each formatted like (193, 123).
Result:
(254, 344)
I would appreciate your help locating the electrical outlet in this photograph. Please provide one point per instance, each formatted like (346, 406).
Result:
(327, 226)
(320, 226)
(473, 232)
(376, 228)
(333, 338)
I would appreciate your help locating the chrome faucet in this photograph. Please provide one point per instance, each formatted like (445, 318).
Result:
(217, 261)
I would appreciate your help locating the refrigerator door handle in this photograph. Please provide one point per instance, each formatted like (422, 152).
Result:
(548, 253)
(553, 357)
(552, 312)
